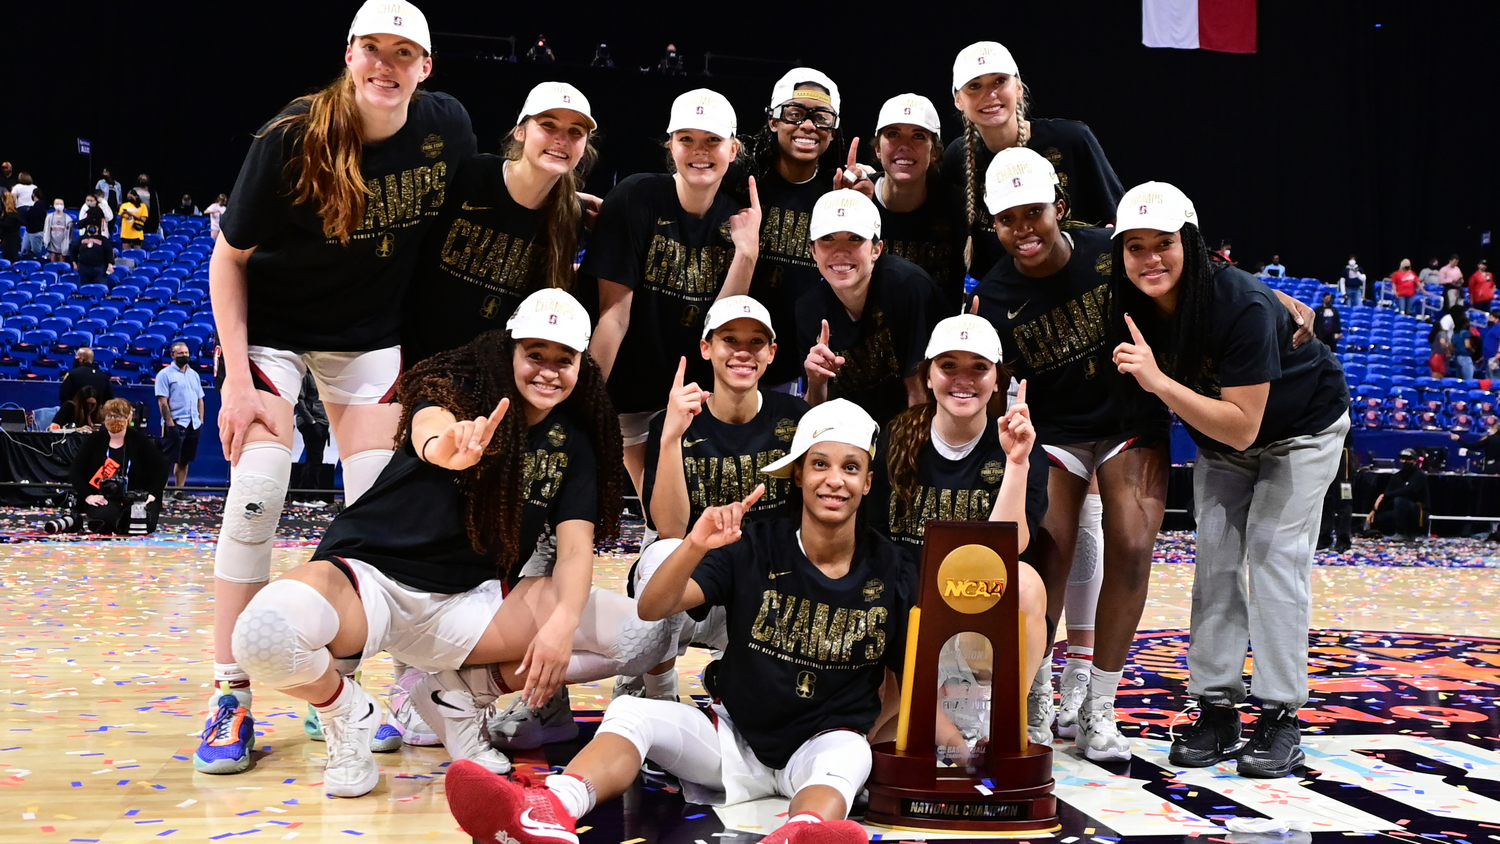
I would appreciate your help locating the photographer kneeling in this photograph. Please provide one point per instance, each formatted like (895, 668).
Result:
(118, 477)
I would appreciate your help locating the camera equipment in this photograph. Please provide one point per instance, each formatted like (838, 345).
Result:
(61, 524)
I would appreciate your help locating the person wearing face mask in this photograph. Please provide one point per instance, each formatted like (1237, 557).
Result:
(133, 216)
(93, 256)
(113, 470)
(58, 231)
(179, 394)
(1401, 510)
(96, 210)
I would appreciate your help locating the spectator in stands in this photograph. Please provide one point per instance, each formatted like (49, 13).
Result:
(1491, 350)
(1442, 349)
(134, 215)
(116, 471)
(1430, 275)
(84, 410)
(153, 211)
(96, 211)
(1467, 345)
(7, 177)
(186, 208)
(1482, 287)
(1352, 283)
(10, 228)
(1328, 328)
(93, 256)
(312, 424)
(213, 212)
(57, 234)
(113, 191)
(1488, 443)
(1275, 268)
(24, 191)
(179, 393)
(1453, 283)
(85, 373)
(1404, 282)
(34, 219)
(1402, 509)
(540, 52)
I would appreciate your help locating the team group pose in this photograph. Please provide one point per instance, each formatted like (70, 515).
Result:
(772, 346)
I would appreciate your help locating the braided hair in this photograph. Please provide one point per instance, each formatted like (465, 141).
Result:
(974, 141)
(468, 382)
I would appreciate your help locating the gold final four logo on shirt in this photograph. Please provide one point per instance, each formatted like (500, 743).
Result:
(972, 579)
(556, 435)
(785, 429)
(873, 589)
(432, 146)
(1104, 264)
(992, 472)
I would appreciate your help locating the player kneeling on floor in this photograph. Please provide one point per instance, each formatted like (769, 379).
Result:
(473, 498)
(816, 606)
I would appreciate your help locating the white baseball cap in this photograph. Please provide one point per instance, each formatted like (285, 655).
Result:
(980, 58)
(550, 95)
(844, 210)
(731, 308)
(909, 108)
(786, 87)
(837, 421)
(965, 333)
(392, 17)
(1018, 176)
(1154, 205)
(705, 110)
(551, 314)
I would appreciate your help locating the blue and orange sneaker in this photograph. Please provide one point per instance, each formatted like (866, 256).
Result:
(228, 737)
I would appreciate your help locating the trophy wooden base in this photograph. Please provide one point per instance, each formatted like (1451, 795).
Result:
(907, 793)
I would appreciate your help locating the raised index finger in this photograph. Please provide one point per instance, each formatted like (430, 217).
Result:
(1135, 333)
(823, 337)
(1021, 392)
(853, 153)
(754, 496)
(493, 422)
(754, 196)
(681, 373)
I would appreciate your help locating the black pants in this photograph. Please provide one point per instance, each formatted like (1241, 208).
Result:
(309, 471)
(1338, 517)
(1399, 515)
(113, 516)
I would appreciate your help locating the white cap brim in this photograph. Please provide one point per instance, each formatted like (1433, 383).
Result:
(552, 333)
(1043, 194)
(1158, 222)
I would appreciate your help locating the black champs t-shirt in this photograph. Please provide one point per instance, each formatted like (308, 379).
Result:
(675, 263)
(307, 291)
(806, 653)
(932, 237)
(722, 461)
(785, 270)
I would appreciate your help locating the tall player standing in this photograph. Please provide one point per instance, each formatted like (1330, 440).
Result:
(318, 242)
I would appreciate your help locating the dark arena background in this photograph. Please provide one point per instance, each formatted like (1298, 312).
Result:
(1357, 127)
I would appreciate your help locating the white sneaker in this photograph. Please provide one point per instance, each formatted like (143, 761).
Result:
(459, 714)
(1098, 734)
(1071, 701)
(404, 712)
(351, 770)
(627, 686)
(1039, 710)
(522, 728)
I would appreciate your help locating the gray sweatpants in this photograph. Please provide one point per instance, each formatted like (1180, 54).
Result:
(1258, 513)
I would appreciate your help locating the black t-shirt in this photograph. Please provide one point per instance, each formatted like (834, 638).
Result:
(722, 461)
(412, 523)
(308, 292)
(478, 264)
(884, 346)
(675, 263)
(1052, 332)
(1251, 343)
(932, 237)
(785, 270)
(950, 490)
(806, 653)
(93, 251)
(1092, 186)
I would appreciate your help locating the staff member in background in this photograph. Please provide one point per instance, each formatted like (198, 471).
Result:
(85, 373)
(1269, 419)
(111, 462)
(179, 394)
(1401, 510)
(312, 424)
(1275, 269)
(987, 88)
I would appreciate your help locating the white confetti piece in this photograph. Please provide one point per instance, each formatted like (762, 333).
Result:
(184, 804)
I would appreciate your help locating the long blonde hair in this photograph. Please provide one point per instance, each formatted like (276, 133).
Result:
(973, 140)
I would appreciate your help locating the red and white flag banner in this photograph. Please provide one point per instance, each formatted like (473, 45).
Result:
(1227, 26)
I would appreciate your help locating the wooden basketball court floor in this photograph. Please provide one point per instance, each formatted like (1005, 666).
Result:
(107, 661)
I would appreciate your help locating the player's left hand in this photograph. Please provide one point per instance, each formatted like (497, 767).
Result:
(546, 662)
(1136, 358)
(1017, 436)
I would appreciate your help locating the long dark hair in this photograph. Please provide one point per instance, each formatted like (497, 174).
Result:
(468, 382)
(1182, 352)
(559, 237)
(911, 430)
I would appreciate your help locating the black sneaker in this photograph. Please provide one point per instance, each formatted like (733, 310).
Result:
(1276, 748)
(1209, 740)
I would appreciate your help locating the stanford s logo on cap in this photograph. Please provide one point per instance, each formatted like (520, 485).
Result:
(552, 319)
(906, 110)
(699, 110)
(841, 212)
(1143, 209)
(979, 60)
(745, 308)
(1016, 182)
(963, 335)
(397, 21)
(567, 99)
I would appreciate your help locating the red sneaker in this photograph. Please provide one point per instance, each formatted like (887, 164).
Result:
(827, 832)
(497, 810)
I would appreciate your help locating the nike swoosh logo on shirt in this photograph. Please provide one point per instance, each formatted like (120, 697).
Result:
(546, 829)
(1014, 313)
(775, 574)
(467, 207)
(691, 443)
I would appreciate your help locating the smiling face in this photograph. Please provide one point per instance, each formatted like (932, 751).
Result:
(905, 151)
(963, 383)
(702, 157)
(834, 477)
(553, 141)
(386, 69)
(739, 350)
(546, 373)
(800, 141)
(845, 259)
(1153, 263)
(989, 100)
(1030, 233)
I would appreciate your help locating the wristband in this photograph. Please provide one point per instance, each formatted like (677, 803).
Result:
(425, 445)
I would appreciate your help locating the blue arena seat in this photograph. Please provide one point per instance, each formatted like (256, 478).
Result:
(50, 299)
(39, 312)
(56, 325)
(94, 291)
(77, 338)
(26, 268)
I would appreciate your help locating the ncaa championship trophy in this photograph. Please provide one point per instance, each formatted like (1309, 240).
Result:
(966, 612)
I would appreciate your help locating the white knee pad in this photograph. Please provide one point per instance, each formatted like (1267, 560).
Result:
(257, 492)
(652, 556)
(610, 626)
(281, 638)
(1082, 598)
(361, 469)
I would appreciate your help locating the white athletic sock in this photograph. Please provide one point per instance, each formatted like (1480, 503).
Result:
(340, 701)
(360, 471)
(1043, 676)
(575, 793)
(661, 685)
(238, 680)
(805, 817)
(1080, 660)
(1104, 683)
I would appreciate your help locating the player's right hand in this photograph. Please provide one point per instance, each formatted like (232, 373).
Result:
(822, 364)
(461, 444)
(720, 526)
(684, 402)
